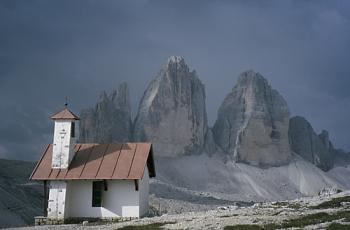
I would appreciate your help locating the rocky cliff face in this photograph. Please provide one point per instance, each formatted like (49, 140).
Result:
(305, 142)
(252, 124)
(110, 120)
(317, 149)
(252, 127)
(172, 111)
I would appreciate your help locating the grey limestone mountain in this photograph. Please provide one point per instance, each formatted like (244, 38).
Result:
(172, 112)
(312, 147)
(110, 120)
(317, 149)
(252, 124)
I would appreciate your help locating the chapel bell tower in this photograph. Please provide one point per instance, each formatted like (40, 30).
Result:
(64, 138)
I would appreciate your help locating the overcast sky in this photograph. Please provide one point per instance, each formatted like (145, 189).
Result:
(52, 49)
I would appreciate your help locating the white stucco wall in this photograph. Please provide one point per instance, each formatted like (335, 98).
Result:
(63, 144)
(74, 199)
(144, 194)
(121, 199)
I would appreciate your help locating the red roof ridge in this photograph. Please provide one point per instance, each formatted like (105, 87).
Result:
(65, 114)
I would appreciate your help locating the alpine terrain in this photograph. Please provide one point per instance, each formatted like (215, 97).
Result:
(255, 151)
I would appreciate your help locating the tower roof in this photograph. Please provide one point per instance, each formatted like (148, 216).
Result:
(65, 114)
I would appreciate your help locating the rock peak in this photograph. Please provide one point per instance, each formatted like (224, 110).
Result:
(249, 72)
(110, 120)
(312, 147)
(251, 77)
(175, 59)
(252, 123)
(176, 63)
(172, 111)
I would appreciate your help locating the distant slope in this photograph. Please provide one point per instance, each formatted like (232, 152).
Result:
(242, 182)
(20, 199)
(341, 174)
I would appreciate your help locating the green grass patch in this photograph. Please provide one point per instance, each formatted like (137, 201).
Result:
(281, 204)
(301, 222)
(225, 216)
(337, 226)
(244, 227)
(311, 219)
(153, 226)
(334, 203)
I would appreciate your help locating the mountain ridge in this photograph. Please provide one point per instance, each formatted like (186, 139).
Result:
(253, 124)
(247, 154)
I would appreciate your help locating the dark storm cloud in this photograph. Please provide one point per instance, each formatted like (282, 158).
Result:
(53, 49)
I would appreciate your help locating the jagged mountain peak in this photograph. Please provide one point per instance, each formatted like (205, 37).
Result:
(172, 111)
(175, 80)
(252, 123)
(176, 68)
(110, 120)
(176, 59)
(121, 97)
(313, 147)
(251, 77)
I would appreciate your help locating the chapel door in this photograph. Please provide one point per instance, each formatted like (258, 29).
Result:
(61, 198)
(52, 207)
(57, 197)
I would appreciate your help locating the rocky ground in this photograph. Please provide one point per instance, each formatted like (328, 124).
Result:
(327, 211)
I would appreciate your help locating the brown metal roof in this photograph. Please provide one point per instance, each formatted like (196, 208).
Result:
(65, 114)
(99, 161)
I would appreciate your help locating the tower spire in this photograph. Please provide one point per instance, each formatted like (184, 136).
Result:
(66, 104)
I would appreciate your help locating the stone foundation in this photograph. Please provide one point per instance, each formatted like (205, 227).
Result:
(41, 220)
